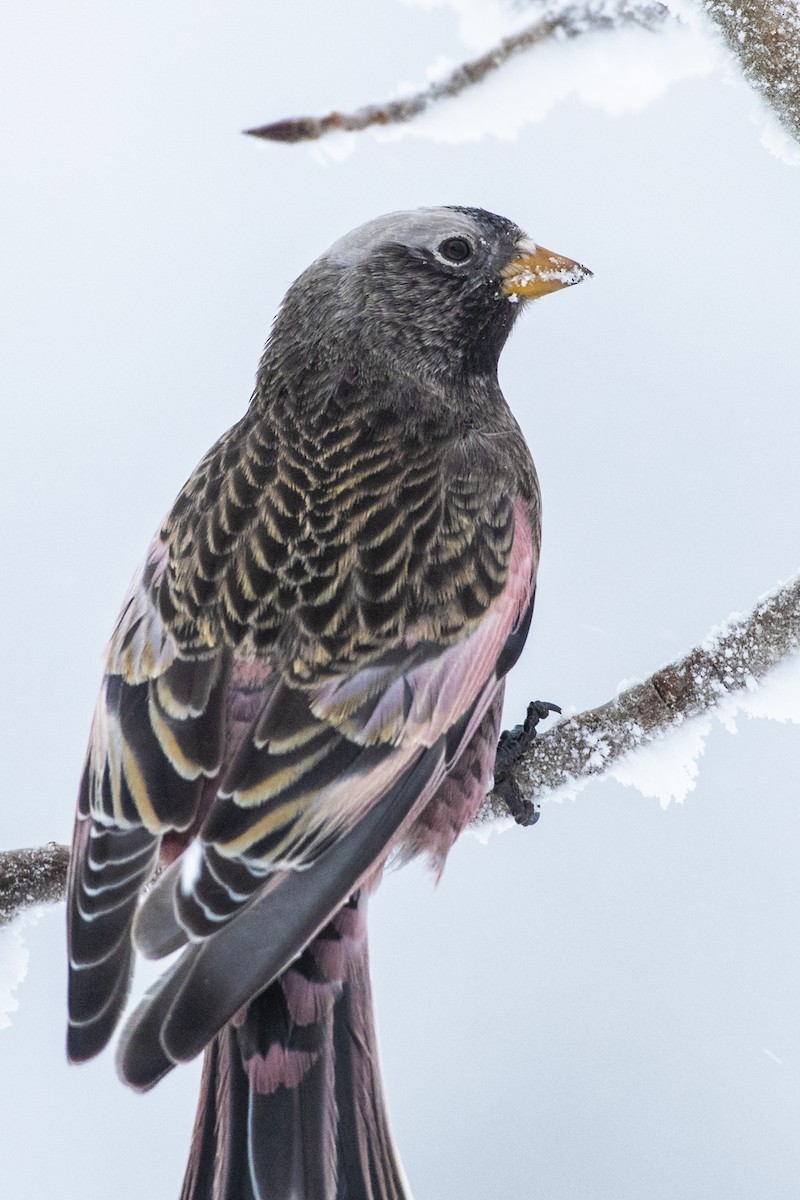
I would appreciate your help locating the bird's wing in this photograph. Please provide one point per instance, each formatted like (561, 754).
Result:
(157, 736)
(306, 812)
(317, 759)
(325, 608)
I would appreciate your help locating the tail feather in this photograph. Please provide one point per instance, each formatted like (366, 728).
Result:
(290, 1135)
(199, 1178)
(291, 1104)
(218, 1167)
(368, 1165)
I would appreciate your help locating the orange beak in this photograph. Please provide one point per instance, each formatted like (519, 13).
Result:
(536, 272)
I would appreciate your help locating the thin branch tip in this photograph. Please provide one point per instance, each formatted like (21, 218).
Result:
(762, 35)
(571, 22)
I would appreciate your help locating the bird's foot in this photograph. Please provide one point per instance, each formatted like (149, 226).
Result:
(512, 744)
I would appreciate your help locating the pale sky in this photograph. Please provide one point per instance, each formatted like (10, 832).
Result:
(603, 1007)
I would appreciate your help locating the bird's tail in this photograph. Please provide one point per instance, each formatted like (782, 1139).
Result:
(291, 1103)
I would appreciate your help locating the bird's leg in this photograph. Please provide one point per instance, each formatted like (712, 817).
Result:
(512, 744)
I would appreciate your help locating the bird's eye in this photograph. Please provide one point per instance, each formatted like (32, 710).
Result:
(455, 249)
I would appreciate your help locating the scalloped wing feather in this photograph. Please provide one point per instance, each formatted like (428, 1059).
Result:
(141, 645)
(300, 782)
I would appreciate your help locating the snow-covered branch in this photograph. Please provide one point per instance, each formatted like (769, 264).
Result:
(764, 35)
(569, 22)
(31, 877)
(733, 658)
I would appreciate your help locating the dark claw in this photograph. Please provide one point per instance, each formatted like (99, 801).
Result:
(524, 812)
(512, 743)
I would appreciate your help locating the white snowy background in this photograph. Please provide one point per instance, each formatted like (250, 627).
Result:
(604, 1007)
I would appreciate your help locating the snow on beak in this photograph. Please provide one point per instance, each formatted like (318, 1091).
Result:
(535, 272)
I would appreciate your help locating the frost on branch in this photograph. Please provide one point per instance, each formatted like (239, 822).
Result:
(27, 878)
(553, 23)
(764, 35)
(31, 877)
(733, 659)
(618, 71)
(13, 969)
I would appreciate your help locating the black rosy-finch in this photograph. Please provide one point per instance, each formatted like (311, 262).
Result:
(305, 679)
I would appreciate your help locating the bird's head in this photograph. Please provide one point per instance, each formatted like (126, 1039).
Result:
(431, 292)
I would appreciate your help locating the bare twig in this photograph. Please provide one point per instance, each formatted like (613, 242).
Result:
(571, 22)
(764, 35)
(30, 877)
(731, 659)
